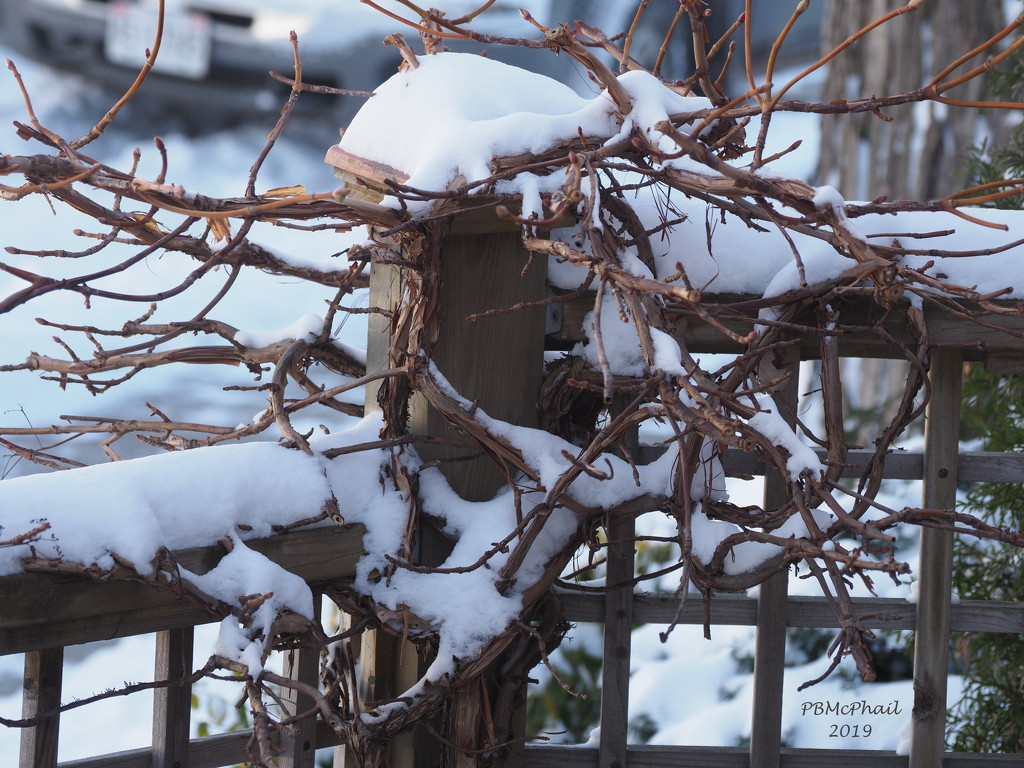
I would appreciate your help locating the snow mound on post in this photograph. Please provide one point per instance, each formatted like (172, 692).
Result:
(455, 112)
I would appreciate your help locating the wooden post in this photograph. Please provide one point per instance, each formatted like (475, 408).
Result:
(42, 686)
(303, 665)
(935, 570)
(770, 646)
(172, 706)
(498, 363)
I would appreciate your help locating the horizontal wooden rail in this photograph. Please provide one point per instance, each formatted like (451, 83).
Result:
(973, 467)
(739, 757)
(1002, 352)
(43, 610)
(229, 748)
(206, 752)
(893, 613)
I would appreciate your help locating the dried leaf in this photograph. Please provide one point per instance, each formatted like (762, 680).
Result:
(293, 191)
(220, 228)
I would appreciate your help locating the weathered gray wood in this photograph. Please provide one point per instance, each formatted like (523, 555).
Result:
(47, 610)
(299, 751)
(944, 329)
(496, 361)
(661, 609)
(172, 707)
(737, 757)
(620, 566)
(991, 467)
(975, 466)
(770, 642)
(298, 747)
(640, 757)
(41, 689)
(385, 293)
(769, 668)
(229, 749)
(207, 752)
(618, 628)
(931, 645)
(888, 612)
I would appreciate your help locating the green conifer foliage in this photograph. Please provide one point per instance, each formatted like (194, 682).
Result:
(990, 717)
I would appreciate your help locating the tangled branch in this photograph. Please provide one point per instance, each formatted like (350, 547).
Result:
(689, 165)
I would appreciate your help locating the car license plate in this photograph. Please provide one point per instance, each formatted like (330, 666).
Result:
(184, 49)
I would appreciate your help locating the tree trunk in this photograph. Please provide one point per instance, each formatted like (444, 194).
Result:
(921, 154)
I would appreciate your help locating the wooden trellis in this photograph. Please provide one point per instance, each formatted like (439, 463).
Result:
(44, 613)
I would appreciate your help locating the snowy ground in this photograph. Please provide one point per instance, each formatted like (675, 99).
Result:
(218, 164)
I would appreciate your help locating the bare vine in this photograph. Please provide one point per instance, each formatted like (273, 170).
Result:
(709, 412)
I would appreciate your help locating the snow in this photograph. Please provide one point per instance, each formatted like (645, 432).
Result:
(667, 355)
(244, 571)
(132, 508)
(709, 481)
(512, 111)
(828, 197)
(769, 422)
(619, 341)
(501, 119)
(306, 327)
(470, 109)
(546, 455)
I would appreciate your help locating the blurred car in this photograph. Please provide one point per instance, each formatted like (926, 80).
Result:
(216, 54)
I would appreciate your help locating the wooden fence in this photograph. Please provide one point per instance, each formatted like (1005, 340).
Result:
(42, 614)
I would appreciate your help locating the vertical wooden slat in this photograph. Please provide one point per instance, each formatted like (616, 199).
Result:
(42, 690)
(385, 293)
(935, 570)
(299, 751)
(303, 665)
(770, 645)
(172, 706)
(618, 629)
(769, 665)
